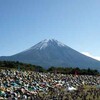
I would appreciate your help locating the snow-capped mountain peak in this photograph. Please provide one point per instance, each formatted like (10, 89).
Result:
(47, 42)
(51, 52)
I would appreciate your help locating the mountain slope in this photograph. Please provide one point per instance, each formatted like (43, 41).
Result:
(53, 53)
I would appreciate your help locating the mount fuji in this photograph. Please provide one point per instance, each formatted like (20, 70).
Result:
(51, 52)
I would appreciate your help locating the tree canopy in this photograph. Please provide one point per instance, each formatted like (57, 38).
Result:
(63, 70)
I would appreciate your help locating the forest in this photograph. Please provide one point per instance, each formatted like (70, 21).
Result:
(62, 70)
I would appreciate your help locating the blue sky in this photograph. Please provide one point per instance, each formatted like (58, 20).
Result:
(24, 23)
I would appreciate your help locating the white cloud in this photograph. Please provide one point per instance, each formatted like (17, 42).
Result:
(90, 55)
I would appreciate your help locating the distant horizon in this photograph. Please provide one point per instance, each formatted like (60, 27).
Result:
(75, 23)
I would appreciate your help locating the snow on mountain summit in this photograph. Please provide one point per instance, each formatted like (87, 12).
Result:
(51, 52)
(47, 42)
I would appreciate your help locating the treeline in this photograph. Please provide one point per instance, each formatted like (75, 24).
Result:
(68, 70)
(20, 66)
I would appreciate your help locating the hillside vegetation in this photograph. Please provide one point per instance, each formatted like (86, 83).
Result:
(68, 70)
